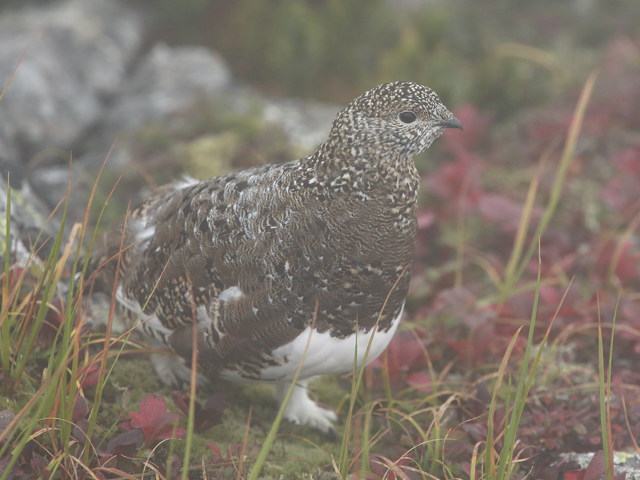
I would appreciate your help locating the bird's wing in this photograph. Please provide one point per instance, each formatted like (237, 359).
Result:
(254, 266)
(200, 252)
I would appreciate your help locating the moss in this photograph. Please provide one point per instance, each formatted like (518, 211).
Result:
(136, 376)
(297, 452)
(209, 155)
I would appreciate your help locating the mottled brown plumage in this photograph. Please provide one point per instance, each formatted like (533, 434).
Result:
(262, 254)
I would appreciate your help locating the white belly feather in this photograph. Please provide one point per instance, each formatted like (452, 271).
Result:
(326, 354)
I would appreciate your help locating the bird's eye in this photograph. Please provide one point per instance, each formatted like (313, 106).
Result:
(407, 117)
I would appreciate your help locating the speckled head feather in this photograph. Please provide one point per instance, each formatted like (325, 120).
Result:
(259, 260)
(399, 118)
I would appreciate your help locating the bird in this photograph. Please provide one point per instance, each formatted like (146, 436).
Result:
(282, 271)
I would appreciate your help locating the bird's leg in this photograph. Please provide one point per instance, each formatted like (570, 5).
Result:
(304, 411)
(170, 368)
(173, 370)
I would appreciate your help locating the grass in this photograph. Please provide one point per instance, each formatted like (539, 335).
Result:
(604, 394)
(517, 262)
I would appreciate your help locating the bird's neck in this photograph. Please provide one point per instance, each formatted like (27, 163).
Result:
(367, 172)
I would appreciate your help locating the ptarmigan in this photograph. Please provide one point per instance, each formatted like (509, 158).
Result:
(318, 249)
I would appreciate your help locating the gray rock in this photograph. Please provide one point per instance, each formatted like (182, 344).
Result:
(60, 62)
(29, 225)
(306, 123)
(623, 462)
(167, 81)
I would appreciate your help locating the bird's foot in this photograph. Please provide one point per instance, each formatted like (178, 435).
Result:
(301, 410)
(173, 370)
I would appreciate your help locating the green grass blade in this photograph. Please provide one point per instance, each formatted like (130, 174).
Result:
(489, 460)
(604, 391)
(510, 278)
(5, 316)
(566, 158)
(522, 390)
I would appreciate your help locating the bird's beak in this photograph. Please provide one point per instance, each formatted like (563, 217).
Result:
(453, 122)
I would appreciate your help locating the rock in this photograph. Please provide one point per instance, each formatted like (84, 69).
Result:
(623, 462)
(166, 84)
(306, 123)
(30, 230)
(167, 81)
(60, 62)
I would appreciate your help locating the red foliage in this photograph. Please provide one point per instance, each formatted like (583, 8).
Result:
(505, 212)
(406, 362)
(620, 257)
(455, 181)
(205, 416)
(477, 336)
(630, 315)
(89, 375)
(80, 418)
(126, 444)
(154, 421)
(621, 190)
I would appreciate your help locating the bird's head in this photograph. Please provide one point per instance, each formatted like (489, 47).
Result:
(392, 120)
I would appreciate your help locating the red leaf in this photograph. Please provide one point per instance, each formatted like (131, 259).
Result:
(404, 351)
(452, 179)
(623, 258)
(89, 376)
(154, 421)
(550, 295)
(205, 416)
(217, 451)
(80, 408)
(574, 475)
(126, 443)
(80, 422)
(595, 469)
(621, 191)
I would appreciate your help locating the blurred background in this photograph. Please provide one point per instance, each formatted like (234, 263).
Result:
(501, 55)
